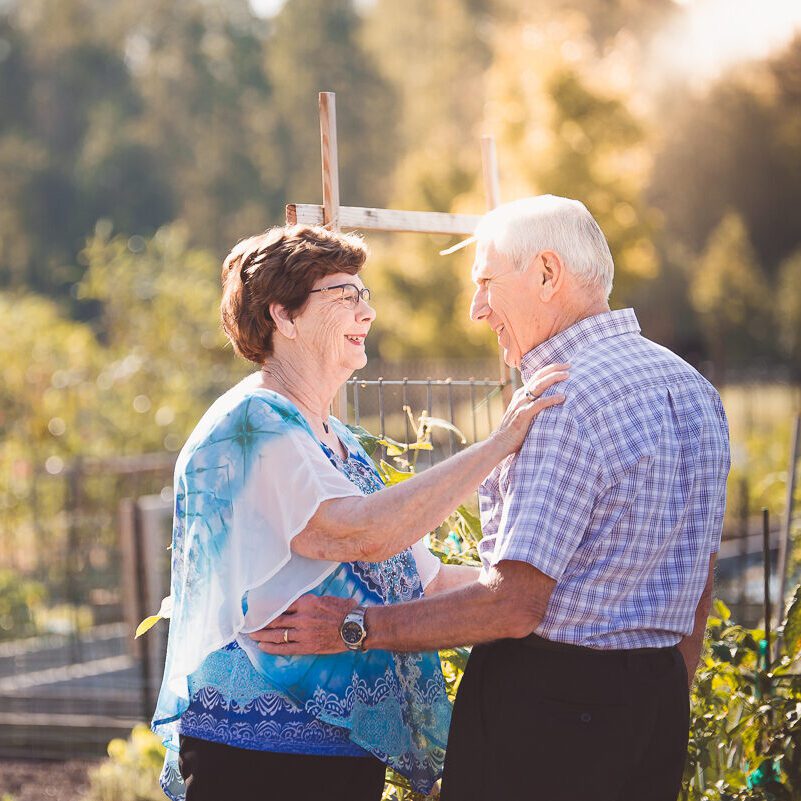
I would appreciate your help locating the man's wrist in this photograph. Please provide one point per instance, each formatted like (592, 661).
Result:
(372, 640)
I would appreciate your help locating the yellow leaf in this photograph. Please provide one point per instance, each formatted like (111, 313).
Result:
(146, 625)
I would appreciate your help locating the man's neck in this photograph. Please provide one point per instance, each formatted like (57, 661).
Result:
(586, 307)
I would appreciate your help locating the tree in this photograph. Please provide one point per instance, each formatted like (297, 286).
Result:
(316, 46)
(732, 298)
(734, 145)
(565, 122)
(788, 295)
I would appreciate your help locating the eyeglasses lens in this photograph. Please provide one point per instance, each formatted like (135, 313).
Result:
(352, 294)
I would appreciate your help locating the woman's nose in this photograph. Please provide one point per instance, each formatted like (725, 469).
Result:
(366, 311)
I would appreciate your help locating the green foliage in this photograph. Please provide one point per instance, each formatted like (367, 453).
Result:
(789, 306)
(143, 115)
(131, 771)
(745, 732)
(732, 297)
(571, 127)
(19, 600)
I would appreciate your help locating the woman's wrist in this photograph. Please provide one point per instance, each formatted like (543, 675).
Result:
(501, 444)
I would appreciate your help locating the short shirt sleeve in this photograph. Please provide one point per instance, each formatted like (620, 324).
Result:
(428, 565)
(253, 482)
(547, 496)
(289, 481)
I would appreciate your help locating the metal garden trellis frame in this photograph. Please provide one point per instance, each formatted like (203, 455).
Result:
(337, 217)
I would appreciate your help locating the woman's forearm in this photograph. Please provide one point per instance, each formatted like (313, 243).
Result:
(374, 527)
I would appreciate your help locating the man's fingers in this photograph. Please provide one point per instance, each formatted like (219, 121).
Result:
(283, 649)
(273, 635)
(283, 621)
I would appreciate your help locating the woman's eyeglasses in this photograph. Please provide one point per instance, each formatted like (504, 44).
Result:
(349, 293)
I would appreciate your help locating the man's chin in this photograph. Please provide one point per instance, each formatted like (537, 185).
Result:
(511, 358)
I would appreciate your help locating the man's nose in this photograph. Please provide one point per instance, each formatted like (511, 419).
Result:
(479, 308)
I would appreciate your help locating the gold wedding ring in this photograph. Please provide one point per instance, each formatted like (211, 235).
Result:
(286, 635)
(530, 396)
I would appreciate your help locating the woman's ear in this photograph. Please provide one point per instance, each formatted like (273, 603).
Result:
(284, 324)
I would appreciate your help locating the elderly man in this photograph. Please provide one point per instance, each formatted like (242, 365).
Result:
(599, 542)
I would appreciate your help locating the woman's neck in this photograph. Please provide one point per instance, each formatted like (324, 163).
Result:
(309, 393)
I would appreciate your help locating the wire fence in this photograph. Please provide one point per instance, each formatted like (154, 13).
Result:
(83, 558)
(84, 552)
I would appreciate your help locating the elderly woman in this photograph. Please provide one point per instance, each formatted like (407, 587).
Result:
(274, 498)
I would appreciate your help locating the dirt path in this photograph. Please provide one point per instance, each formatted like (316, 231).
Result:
(32, 780)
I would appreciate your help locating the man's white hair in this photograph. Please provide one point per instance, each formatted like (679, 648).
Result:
(523, 228)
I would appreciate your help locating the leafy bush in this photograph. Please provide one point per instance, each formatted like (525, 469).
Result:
(19, 599)
(131, 771)
(745, 732)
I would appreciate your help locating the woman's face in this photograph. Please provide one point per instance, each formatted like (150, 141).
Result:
(335, 322)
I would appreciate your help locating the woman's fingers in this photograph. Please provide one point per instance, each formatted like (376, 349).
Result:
(540, 404)
(535, 390)
(545, 378)
(550, 368)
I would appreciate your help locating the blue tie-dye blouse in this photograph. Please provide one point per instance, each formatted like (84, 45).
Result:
(249, 478)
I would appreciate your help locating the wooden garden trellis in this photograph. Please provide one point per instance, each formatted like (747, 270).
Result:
(337, 217)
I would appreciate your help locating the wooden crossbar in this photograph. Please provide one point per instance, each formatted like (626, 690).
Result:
(418, 222)
(337, 217)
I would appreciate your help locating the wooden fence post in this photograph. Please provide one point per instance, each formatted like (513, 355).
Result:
(330, 164)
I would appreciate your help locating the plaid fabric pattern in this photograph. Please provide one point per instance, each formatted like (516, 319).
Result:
(619, 493)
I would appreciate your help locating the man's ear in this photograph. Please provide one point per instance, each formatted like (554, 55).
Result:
(284, 323)
(552, 274)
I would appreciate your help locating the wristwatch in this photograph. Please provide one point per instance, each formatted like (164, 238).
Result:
(352, 630)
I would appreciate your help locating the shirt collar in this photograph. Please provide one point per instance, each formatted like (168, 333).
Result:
(562, 346)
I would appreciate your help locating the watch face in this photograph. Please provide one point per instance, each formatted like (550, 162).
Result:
(352, 632)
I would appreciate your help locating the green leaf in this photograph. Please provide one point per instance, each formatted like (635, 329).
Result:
(392, 475)
(792, 625)
(456, 656)
(472, 523)
(721, 610)
(368, 441)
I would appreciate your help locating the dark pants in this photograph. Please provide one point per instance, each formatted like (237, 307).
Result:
(535, 721)
(216, 772)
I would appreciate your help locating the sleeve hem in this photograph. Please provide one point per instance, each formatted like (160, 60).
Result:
(495, 559)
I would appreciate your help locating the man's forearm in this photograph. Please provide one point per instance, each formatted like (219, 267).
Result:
(489, 609)
(691, 645)
(509, 600)
(452, 577)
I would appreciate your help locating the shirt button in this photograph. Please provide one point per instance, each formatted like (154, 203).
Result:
(586, 717)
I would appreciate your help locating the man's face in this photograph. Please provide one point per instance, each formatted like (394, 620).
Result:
(507, 301)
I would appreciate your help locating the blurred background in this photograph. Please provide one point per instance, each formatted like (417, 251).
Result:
(140, 140)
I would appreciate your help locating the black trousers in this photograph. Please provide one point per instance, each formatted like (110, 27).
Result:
(216, 772)
(535, 721)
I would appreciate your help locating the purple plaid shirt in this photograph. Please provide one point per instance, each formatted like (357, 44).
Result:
(618, 494)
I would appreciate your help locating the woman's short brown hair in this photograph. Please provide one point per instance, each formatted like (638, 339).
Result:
(279, 266)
